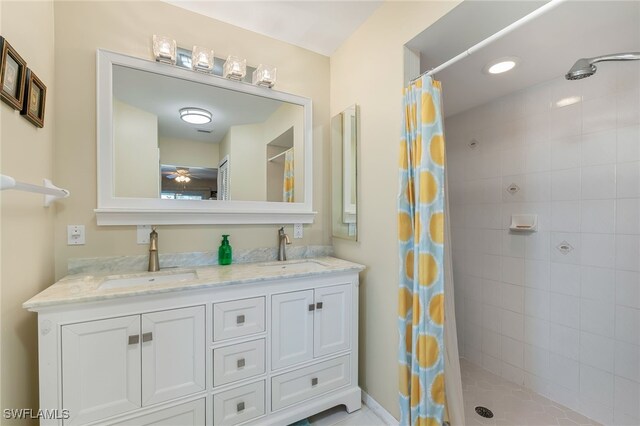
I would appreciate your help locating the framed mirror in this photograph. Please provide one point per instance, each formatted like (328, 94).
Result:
(180, 147)
(345, 132)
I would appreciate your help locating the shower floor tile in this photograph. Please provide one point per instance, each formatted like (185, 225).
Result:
(511, 404)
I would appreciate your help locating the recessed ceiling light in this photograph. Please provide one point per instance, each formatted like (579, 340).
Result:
(195, 115)
(501, 65)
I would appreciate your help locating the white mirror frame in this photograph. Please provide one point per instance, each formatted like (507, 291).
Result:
(151, 211)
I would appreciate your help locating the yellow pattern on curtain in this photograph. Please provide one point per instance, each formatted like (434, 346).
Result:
(288, 184)
(421, 241)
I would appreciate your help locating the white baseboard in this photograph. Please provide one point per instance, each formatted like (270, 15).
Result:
(378, 409)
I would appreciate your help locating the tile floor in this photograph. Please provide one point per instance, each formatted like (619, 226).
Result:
(338, 416)
(512, 404)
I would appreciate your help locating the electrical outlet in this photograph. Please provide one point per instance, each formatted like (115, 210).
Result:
(297, 230)
(75, 235)
(143, 232)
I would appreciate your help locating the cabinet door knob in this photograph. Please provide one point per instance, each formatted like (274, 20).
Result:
(240, 319)
(147, 337)
(240, 363)
(312, 307)
(240, 407)
(133, 340)
(314, 381)
(319, 305)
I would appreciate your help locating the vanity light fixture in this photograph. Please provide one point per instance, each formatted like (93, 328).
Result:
(264, 75)
(195, 115)
(164, 49)
(202, 59)
(501, 65)
(234, 68)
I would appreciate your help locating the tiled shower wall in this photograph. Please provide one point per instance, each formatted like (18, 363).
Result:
(565, 324)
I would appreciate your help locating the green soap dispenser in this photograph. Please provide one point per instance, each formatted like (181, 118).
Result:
(224, 252)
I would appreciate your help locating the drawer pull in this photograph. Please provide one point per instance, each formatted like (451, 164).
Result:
(312, 307)
(241, 363)
(147, 337)
(314, 381)
(240, 407)
(240, 319)
(133, 340)
(319, 305)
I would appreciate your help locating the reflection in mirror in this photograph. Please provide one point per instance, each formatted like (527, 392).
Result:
(344, 155)
(184, 140)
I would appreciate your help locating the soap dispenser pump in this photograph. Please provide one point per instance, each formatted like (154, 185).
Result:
(225, 252)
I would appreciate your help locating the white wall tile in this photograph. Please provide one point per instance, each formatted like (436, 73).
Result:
(536, 332)
(565, 153)
(598, 216)
(564, 371)
(512, 324)
(491, 267)
(627, 397)
(512, 373)
(564, 310)
(513, 270)
(512, 351)
(565, 216)
(628, 216)
(537, 157)
(627, 324)
(565, 279)
(628, 252)
(628, 106)
(628, 289)
(598, 284)
(596, 385)
(599, 114)
(597, 351)
(628, 144)
(628, 180)
(565, 185)
(491, 317)
(491, 343)
(492, 364)
(512, 297)
(572, 256)
(564, 341)
(565, 121)
(536, 128)
(536, 246)
(597, 317)
(537, 274)
(627, 360)
(598, 250)
(512, 161)
(599, 148)
(538, 186)
(536, 361)
(513, 244)
(519, 196)
(599, 182)
(536, 303)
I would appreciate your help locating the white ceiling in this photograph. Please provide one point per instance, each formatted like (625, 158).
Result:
(165, 96)
(320, 26)
(547, 46)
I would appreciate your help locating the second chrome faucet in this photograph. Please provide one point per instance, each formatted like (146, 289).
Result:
(283, 240)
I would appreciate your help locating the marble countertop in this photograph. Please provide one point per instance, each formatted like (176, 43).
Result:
(87, 288)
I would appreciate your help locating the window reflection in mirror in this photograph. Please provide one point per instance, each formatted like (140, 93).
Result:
(242, 147)
(344, 155)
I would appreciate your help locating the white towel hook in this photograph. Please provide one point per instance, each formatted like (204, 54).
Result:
(50, 191)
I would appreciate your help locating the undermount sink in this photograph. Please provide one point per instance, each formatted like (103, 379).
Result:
(148, 279)
(294, 265)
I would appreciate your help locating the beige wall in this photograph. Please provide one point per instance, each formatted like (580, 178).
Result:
(188, 153)
(26, 153)
(368, 70)
(127, 27)
(135, 141)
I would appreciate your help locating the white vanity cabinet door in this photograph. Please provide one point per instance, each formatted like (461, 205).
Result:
(292, 328)
(187, 414)
(173, 354)
(332, 320)
(100, 368)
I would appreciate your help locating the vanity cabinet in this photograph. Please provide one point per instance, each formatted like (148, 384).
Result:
(268, 352)
(116, 365)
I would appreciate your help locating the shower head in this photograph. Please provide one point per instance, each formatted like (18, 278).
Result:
(585, 67)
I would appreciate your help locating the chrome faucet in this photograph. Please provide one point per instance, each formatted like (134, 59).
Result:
(154, 262)
(283, 239)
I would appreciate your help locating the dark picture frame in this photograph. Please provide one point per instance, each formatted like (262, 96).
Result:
(12, 75)
(35, 96)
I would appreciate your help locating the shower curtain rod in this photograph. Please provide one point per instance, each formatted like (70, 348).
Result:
(506, 30)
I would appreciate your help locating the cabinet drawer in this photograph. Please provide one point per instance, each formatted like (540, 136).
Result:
(298, 385)
(238, 318)
(238, 405)
(237, 362)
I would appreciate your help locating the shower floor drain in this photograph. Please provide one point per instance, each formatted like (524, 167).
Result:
(484, 412)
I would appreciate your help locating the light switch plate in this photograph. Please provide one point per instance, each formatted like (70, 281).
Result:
(143, 234)
(75, 235)
(297, 230)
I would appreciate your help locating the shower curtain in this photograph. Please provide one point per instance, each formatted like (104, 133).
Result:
(428, 344)
(288, 184)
